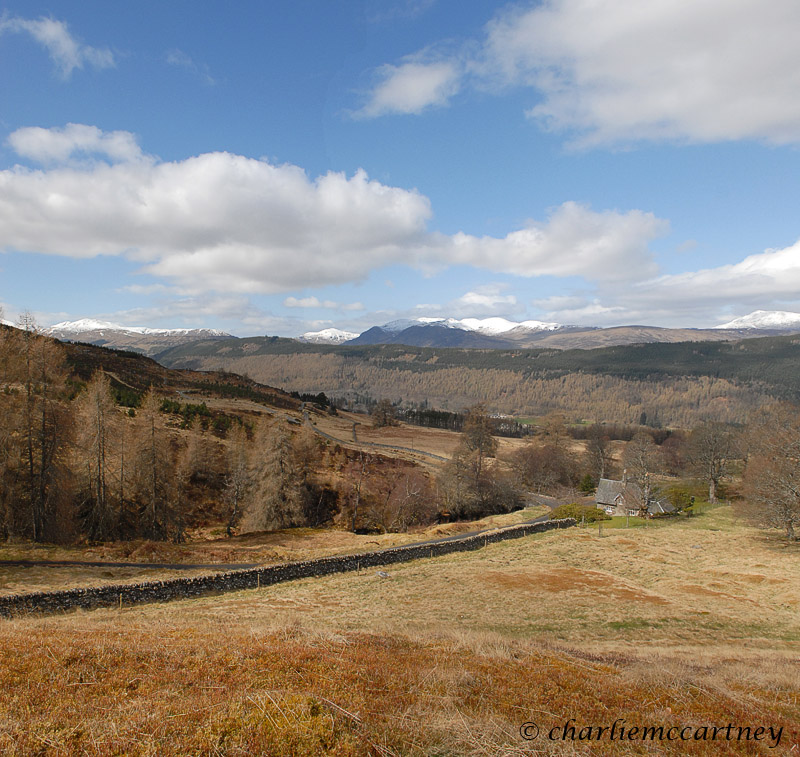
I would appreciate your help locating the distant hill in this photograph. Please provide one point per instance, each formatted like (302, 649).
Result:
(327, 336)
(765, 319)
(430, 335)
(137, 372)
(141, 339)
(499, 333)
(677, 383)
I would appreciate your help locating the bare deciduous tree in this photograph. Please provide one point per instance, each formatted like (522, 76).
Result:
(543, 467)
(477, 440)
(598, 447)
(642, 459)
(44, 426)
(383, 414)
(276, 500)
(98, 427)
(711, 448)
(153, 469)
(772, 475)
(403, 499)
(239, 478)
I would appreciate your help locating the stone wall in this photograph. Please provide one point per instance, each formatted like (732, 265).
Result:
(183, 588)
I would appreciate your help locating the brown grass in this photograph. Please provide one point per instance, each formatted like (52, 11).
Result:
(264, 548)
(443, 656)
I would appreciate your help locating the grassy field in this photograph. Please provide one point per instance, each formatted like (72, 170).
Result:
(260, 548)
(693, 622)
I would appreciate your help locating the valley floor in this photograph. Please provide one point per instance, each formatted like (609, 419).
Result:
(690, 623)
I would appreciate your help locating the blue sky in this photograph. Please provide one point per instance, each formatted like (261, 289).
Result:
(289, 166)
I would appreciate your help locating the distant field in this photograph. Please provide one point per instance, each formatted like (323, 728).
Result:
(687, 623)
(432, 440)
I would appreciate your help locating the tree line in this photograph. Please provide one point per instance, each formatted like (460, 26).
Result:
(671, 401)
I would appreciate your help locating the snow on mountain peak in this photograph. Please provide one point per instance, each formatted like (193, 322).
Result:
(489, 326)
(85, 324)
(764, 319)
(89, 324)
(327, 336)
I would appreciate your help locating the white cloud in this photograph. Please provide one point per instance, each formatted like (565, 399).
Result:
(773, 275)
(206, 311)
(314, 302)
(226, 223)
(216, 221)
(485, 300)
(574, 241)
(58, 145)
(64, 50)
(307, 302)
(768, 281)
(586, 312)
(412, 86)
(149, 289)
(704, 71)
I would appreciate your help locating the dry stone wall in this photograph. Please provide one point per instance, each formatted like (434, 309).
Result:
(183, 588)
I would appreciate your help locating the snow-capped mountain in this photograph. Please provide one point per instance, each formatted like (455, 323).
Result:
(494, 326)
(327, 336)
(85, 325)
(135, 338)
(488, 326)
(477, 333)
(777, 320)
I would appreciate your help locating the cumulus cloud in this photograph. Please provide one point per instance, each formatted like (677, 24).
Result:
(574, 241)
(484, 301)
(773, 275)
(64, 50)
(58, 145)
(215, 221)
(769, 280)
(233, 224)
(411, 87)
(705, 71)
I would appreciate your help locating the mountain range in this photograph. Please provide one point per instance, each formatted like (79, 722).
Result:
(140, 339)
(501, 333)
(469, 333)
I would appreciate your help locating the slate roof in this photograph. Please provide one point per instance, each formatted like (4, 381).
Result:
(609, 490)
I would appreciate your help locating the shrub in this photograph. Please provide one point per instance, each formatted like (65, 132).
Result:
(587, 513)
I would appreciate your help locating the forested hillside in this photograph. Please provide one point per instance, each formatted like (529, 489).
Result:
(101, 444)
(680, 384)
